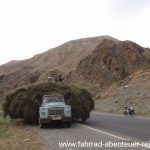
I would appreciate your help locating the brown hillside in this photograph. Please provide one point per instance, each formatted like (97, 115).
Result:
(58, 60)
(133, 91)
(101, 61)
(64, 57)
(111, 61)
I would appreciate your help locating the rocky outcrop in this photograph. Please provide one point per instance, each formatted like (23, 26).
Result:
(111, 61)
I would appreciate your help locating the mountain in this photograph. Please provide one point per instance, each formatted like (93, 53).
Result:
(61, 59)
(100, 61)
(64, 57)
(111, 61)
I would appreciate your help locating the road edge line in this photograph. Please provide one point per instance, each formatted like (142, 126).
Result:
(103, 132)
(112, 135)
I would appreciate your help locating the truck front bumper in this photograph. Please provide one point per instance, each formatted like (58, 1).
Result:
(52, 119)
(67, 119)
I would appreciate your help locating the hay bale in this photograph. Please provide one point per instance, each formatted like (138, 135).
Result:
(25, 102)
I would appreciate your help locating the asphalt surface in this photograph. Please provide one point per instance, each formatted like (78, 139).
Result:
(80, 138)
(131, 128)
(99, 128)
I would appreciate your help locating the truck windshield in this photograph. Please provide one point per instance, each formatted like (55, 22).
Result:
(48, 99)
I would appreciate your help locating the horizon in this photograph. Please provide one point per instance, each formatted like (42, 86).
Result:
(65, 43)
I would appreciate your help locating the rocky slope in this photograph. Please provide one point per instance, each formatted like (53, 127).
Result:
(133, 91)
(111, 61)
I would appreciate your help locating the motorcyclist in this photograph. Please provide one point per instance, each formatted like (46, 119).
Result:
(128, 110)
(131, 111)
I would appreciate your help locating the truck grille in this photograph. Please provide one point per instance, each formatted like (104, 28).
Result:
(56, 111)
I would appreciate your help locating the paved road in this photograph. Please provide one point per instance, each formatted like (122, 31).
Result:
(132, 128)
(99, 128)
(79, 137)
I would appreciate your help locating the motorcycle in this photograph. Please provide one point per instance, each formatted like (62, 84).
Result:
(129, 111)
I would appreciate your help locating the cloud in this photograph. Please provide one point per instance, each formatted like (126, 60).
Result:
(127, 8)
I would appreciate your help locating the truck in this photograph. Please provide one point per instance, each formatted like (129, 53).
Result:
(54, 109)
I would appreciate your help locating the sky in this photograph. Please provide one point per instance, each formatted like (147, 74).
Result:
(29, 27)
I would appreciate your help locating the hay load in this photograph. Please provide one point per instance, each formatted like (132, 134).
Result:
(25, 102)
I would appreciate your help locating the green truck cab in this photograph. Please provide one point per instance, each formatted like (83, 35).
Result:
(54, 109)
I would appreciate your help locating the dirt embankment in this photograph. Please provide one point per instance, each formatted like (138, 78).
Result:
(14, 135)
(132, 91)
(110, 62)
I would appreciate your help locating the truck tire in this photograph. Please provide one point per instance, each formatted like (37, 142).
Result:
(83, 120)
(41, 125)
(68, 124)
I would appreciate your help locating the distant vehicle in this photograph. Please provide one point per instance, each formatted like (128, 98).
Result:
(129, 111)
(54, 109)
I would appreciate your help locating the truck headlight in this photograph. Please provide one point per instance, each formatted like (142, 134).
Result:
(43, 113)
(68, 111)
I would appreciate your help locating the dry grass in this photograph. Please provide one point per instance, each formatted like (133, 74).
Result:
(92, 87)
(25, 102)
(14, 135)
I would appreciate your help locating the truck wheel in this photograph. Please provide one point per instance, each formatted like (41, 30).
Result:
(83, 120)
(68, 124)
(41, 125)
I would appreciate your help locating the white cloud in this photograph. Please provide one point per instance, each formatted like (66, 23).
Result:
(127, 8)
